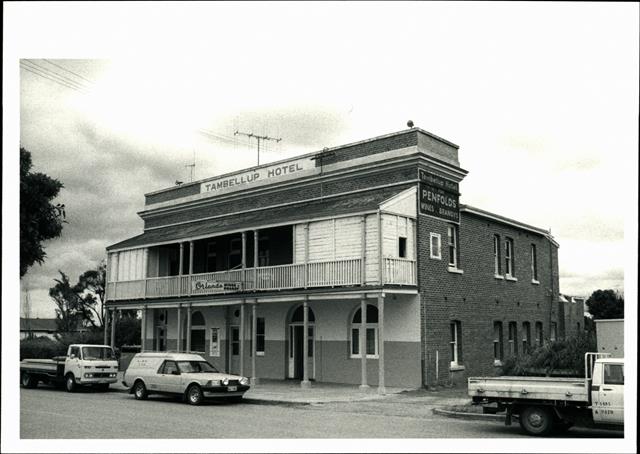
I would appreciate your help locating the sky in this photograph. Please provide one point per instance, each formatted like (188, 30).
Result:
(542, 99)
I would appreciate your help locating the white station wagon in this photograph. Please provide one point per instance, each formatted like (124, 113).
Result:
(185, 374)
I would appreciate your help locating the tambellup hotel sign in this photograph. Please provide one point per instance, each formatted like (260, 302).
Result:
(438, 197)
(260, 176)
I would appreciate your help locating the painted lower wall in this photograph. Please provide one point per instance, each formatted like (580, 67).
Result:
(332, 361)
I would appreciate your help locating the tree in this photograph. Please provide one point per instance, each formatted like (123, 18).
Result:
(90, 291)
(606, 304)
(69, 314)
(40, 220)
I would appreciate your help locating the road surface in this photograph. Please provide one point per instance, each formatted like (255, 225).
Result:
(52, 413)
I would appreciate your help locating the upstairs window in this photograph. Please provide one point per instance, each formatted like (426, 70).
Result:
(402, 247)
(497, 266)
(508, 257)
(452, 234)
(534, 263)
(455, 344)
(436, 246)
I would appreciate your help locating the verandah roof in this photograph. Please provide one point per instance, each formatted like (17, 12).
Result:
(334, 206)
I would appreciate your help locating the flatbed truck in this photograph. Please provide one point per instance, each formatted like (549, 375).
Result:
(84, 364)
(547, 404)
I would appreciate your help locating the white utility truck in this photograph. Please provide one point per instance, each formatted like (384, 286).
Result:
(546, 404)
(84, 364)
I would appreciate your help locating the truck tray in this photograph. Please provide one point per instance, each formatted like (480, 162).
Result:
(537, 388)
(44, 365)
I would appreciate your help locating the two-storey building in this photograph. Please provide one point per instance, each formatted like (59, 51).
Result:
(356, 265)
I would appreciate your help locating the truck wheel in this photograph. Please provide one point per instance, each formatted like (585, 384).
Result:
(70, 383)
(140, 391)
(536, 420)
(28, 381)
(194, 395)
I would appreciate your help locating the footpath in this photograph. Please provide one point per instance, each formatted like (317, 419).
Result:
(450, 402)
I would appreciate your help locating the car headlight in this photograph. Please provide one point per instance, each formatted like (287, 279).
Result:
(211, 383)
(225, 381)
(88, 375)
(244, 381)
(113, 375)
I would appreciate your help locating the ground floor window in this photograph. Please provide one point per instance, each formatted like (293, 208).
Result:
(539, 334)
(455, 344)
(371, 332)
(260, 335)
(513, 339)
(497, 342)
(526, 337)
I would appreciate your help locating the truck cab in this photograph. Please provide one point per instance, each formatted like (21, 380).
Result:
(607, 391)
(90, 365)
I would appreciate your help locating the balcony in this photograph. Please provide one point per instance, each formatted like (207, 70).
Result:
(334, 273)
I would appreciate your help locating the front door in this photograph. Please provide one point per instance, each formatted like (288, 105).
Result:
(234, 350)
(296, 352)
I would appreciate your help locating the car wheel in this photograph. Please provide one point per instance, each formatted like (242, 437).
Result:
(194, 395)
(70, 383)
(536, 420)
(140, 390)
(28, 381)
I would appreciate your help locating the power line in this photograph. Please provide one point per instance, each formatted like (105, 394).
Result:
(68, 70)
(55, 74)
(52, 76)
(26, 68)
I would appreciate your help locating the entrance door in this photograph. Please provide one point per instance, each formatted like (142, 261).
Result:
(234, 350)
(161, 338)
(296, 352)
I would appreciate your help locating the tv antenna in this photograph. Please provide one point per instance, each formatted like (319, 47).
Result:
(192, 167)
(258, 138)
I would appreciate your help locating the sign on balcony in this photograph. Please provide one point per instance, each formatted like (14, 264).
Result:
(211, 286)
(438, 197)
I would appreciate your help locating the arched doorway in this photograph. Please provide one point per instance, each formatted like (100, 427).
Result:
(295, 354)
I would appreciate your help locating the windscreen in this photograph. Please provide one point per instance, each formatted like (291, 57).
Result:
(89, 353)
(195, 367)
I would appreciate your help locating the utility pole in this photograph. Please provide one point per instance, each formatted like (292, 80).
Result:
(258, 138)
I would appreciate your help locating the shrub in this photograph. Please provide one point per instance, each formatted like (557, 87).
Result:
(41, 347)
(563, 357)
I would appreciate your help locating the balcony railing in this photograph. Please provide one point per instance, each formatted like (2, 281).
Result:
(332, 273)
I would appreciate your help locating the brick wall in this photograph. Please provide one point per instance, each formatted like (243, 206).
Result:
(476, 298)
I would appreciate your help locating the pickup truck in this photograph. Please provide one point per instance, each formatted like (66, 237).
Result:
(84, 364)
(545, 404)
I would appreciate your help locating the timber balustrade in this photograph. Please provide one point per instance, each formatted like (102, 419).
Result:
(333, 273)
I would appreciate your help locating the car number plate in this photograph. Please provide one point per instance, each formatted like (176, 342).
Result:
(232, 388)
